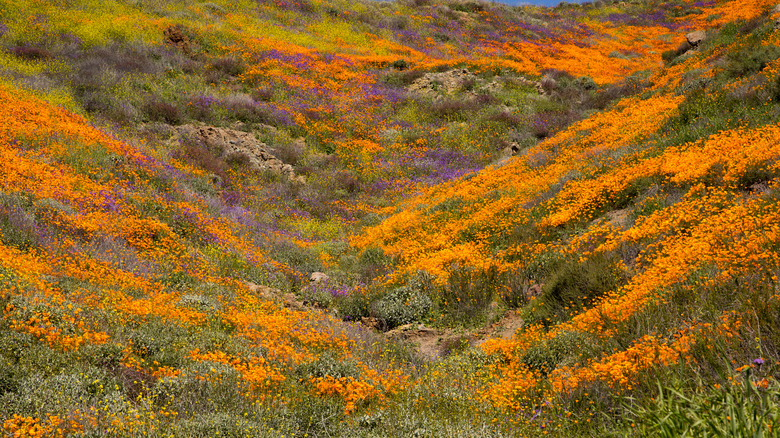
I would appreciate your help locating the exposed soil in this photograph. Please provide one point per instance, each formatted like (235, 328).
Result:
(433, 343)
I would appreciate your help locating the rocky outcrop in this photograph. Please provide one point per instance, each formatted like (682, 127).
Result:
(225, 142)
(433, 84)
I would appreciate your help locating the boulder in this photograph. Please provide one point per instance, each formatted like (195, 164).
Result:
(695, 38)
(318, 277)
(512, 150)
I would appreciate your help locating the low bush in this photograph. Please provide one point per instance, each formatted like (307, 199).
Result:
(229, 65)
(354, 306)
(403, 305)
(31, 52)
(566, 348)
(241, 107)
(18, 228)
(198, 155)
(298, 258)
(548, 122)
(317, 295)
(160, 111)
(372, 263)
(401, 65)
(453, 110)
(629, 87)
(290, 153)
(468, 6)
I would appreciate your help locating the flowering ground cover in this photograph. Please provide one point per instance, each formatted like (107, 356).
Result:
(582, 167)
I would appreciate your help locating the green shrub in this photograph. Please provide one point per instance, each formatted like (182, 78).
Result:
(353, 307)
(296, 257)
(328, 365)
(372, 263)
(317, 295)
(400, 65)
(670, 55)
(223, 424)
(160, 341)
(402, 306)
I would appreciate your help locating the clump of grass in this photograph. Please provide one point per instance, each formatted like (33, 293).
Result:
(751, 60)
(748, 408)
(328, 365)
(468, 294)
(573, 285)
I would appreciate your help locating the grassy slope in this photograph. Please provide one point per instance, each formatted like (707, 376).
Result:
(652, 224)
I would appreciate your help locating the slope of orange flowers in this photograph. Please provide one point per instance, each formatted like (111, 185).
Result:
(77, 211)
(714, 226)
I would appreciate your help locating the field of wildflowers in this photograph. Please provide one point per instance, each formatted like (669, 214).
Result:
(579, 167)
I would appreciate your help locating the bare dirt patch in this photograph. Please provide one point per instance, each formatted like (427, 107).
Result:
(433, 344)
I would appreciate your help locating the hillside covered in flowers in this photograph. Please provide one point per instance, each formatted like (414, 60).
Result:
(408, 218)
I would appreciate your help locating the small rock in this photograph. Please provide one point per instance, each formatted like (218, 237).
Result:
(318, 277)
(371, 322)
(760, 188)
(694, 38)
(535, 291)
